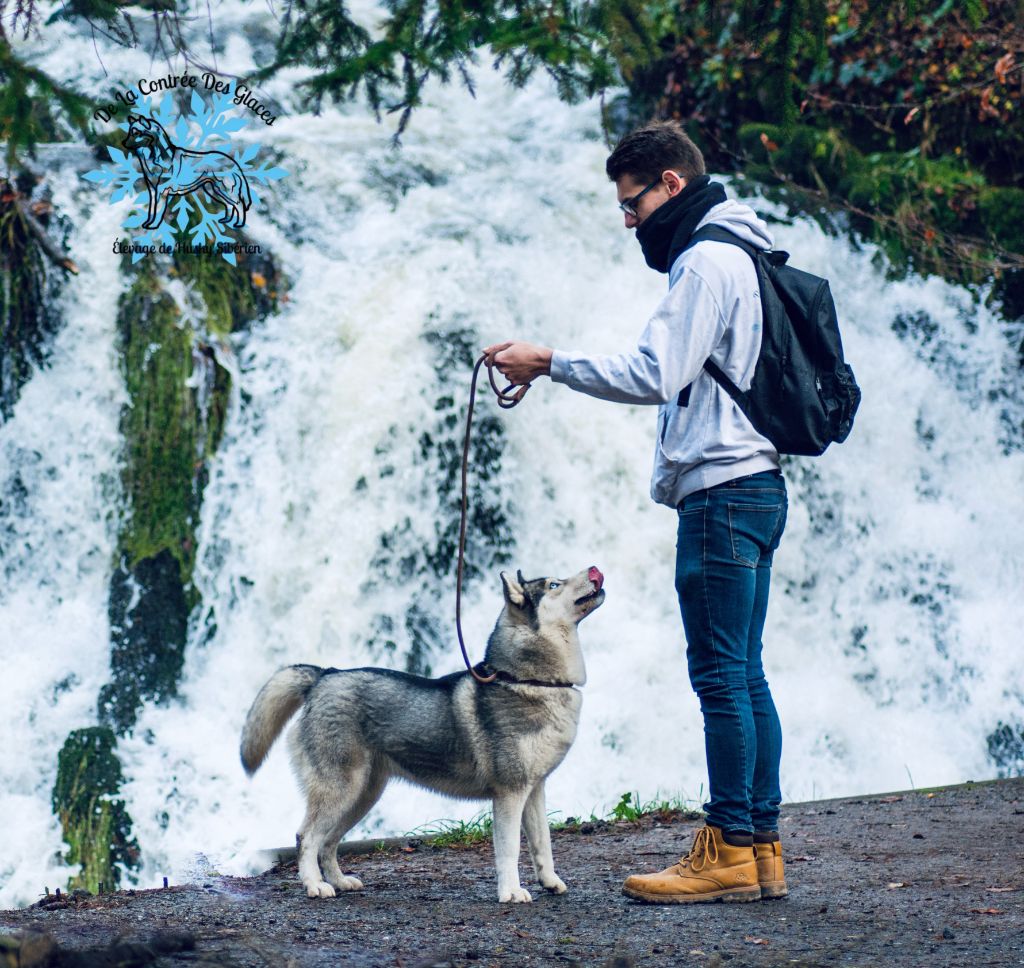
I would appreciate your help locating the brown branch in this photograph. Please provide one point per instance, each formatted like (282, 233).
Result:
(47, 244)
(961, 91)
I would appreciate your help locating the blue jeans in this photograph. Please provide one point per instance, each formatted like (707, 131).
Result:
(727, 535)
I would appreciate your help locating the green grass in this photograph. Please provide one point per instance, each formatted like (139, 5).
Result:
(456, 833)
(630, 808)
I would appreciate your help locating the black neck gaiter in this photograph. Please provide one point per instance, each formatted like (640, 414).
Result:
(665, 232)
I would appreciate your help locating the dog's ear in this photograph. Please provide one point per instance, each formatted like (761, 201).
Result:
(514, 594)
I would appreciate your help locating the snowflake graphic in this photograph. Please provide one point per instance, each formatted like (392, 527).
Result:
(207, 128)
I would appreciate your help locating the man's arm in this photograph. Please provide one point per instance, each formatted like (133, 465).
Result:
(678, 338)
(520, 363)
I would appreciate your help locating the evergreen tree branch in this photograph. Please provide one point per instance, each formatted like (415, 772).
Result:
(584, 47)
(26, 96)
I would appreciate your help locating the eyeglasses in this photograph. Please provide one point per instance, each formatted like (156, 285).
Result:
(628, 205)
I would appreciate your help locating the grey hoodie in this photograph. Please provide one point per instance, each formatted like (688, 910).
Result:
(712, 309)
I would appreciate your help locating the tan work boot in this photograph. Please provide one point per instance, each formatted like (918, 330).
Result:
(770, 873)
(712, 871)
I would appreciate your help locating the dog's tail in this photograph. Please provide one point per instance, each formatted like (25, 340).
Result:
(274, 705)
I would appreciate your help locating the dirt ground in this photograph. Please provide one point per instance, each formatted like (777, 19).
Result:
(916, 878)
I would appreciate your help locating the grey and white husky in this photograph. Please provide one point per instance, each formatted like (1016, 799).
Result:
(498, 741)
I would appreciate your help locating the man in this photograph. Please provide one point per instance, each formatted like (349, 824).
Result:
(724, 480)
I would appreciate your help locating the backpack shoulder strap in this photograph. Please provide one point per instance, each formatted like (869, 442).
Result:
(715, 233)
(722, 380)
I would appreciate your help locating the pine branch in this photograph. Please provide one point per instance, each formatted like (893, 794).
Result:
(583, 47)
(26, 97)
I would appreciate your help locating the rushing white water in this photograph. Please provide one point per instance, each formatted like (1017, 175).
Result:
(892, 635)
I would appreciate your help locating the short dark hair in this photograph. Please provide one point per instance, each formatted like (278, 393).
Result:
(645, 153)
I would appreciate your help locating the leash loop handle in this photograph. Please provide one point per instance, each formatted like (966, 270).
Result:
(506, 400)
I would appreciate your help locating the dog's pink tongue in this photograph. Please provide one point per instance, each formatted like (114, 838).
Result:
(595, 576)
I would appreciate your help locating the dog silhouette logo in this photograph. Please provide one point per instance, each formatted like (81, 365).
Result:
(187, 182)
(170, 170)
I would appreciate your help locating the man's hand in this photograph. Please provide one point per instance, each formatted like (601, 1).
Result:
(520, 363)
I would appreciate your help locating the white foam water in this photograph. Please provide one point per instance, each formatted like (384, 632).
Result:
(892, 635)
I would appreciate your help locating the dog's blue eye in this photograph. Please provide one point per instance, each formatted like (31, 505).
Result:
(554, 584)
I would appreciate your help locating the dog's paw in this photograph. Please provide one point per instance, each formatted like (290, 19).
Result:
(554, 884)
(518, 895)
(319, 889)
(347, 883)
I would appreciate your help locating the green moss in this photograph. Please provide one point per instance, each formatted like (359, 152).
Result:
(819, 158)
(178, 399)
(96, 825)
(179, 395)
(233, 295)
(921, 211)
(159, 426)
(1001, 214)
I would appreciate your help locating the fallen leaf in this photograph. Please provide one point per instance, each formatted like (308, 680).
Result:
(1003, 66)
(408, 850)
(985, 911)
(754, 940)
(895, 884)
(985, 109)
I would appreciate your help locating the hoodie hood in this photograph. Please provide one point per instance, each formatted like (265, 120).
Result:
(742, 221)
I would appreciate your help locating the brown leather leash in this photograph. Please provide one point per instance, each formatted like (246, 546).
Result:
(506, 401)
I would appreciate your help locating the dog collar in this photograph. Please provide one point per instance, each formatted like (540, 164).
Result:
(501, 676)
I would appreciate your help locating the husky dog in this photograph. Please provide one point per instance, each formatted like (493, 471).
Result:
(169, 170)
(498, 741)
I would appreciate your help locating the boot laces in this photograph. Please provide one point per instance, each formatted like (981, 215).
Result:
(704, 849)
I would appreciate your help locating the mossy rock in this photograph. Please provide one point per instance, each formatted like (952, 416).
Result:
(85, 799)
(179, 395)
(149, 607)
(159, 426)
(234, 295)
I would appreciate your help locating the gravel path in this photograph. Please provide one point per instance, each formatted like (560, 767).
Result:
(918, 878)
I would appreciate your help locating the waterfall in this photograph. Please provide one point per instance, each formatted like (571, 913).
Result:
(892, 641)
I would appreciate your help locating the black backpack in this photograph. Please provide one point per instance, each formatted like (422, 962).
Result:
(803, 395)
